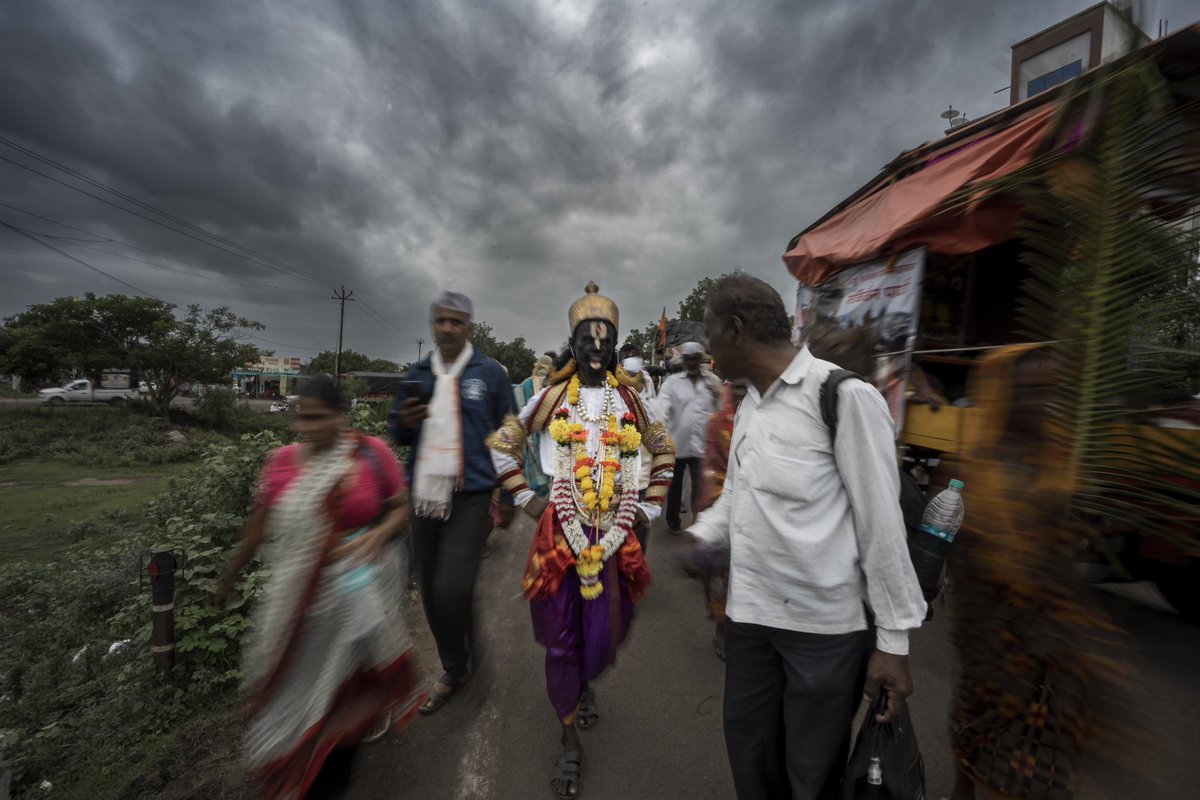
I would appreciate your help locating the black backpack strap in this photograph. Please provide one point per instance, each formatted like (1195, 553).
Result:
(829, 397)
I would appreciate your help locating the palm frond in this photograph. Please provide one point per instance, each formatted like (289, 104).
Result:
(1110, 247)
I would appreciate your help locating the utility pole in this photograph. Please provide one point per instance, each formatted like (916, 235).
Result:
(341, 295)
(420, 342)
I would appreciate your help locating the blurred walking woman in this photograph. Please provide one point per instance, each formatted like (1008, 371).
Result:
(329, 661)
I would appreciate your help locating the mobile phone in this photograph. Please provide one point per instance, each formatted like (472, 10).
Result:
(413, 390)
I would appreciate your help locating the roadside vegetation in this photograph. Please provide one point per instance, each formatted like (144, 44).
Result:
(87, 493)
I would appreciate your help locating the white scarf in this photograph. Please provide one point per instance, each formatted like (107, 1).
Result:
(439, 465)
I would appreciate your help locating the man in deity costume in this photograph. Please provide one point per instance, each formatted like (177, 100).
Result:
(586, 569)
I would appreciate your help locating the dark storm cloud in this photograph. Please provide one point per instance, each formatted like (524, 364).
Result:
(513, 149)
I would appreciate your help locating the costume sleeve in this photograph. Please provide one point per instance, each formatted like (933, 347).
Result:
(507, 446)
(652, 510)
(866, 457)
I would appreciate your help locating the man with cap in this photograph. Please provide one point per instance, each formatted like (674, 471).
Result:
(686, 400)
(456, 397)
(586, 569)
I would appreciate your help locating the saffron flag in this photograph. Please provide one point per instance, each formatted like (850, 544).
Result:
(662, 329)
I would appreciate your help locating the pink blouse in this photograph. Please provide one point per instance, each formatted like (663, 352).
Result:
(365, 488)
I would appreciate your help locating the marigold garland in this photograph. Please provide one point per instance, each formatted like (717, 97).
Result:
(578, 488)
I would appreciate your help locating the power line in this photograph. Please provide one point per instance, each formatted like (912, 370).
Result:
(373, 321)
(245, 285)
(48, 219)
(98, 238)
(294, 274)
(152, 208)
(382, 318)
(65, 254)
(258, 338)
(374, 318)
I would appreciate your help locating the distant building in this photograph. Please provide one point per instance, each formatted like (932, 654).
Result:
(271, 377)
(1070, 48)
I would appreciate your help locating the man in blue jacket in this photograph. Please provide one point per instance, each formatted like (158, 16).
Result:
(461, 396)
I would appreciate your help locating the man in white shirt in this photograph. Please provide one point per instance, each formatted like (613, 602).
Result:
(815, 535)
(685, 402)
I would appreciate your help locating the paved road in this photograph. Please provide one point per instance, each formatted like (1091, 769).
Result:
(660, 736)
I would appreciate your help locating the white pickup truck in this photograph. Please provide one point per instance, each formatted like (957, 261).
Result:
(83, 391)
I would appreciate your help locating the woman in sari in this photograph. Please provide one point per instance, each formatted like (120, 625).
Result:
(1036, 648)
(329, 663)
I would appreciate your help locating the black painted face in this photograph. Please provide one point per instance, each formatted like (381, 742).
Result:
(594, 345)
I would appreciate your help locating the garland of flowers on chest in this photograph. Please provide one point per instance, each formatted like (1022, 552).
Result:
(585, 477)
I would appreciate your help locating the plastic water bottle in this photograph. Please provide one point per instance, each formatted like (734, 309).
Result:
(875, 772)
(929, 547)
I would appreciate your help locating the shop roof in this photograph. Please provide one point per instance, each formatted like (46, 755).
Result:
(909, 202)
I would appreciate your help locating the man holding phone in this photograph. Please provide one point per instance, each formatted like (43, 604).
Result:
(453, 399)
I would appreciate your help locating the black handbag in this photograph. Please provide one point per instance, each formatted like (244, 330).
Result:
(886, 763)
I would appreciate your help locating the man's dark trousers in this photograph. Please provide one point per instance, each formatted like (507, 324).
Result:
(675, 494)
(446, 556)
(790, 700)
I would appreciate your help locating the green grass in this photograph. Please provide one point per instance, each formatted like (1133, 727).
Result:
(46, 508)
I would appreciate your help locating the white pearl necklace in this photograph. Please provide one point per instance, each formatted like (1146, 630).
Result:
(605, 411)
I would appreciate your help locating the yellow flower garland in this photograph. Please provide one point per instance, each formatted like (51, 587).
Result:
(619, 438)
(616, 440)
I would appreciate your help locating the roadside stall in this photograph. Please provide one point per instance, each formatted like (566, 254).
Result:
(920, 271)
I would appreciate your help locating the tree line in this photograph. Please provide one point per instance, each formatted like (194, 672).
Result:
(167, 347)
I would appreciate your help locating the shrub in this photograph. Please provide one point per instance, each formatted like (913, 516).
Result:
(96, 721)
(106, 726)
(217, 408)
(101, 437)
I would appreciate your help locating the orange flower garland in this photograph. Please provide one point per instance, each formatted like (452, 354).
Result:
(577, 486)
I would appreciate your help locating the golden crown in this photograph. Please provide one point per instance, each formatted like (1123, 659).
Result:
(593, 305)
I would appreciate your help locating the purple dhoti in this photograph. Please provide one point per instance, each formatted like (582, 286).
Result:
(580, 636)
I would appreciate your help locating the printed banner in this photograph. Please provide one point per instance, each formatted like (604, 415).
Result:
(865, 319)
(278, 364)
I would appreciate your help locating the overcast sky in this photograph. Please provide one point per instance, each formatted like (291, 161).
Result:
(509, 149)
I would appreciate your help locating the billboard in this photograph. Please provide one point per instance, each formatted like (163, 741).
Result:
(277, 364)
(865, 319)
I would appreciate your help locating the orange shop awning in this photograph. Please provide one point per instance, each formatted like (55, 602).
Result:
(915, 210)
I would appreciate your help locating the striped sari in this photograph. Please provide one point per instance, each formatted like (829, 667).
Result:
(330, 652)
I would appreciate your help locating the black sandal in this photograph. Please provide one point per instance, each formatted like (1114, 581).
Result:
(438, 699)
(566, 775)
(588, 715)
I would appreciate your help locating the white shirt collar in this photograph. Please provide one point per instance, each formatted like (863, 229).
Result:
(794, 374)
